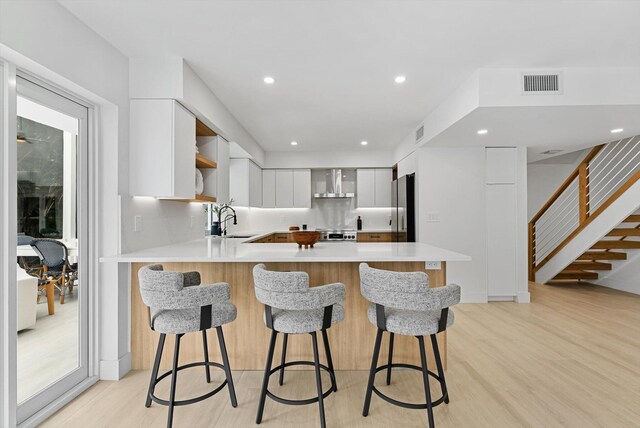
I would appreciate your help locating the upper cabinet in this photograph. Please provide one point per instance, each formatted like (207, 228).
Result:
(245, 183)
(163, 151)
(268, 188)
(374, 187)
(302, 188)
(286, 188)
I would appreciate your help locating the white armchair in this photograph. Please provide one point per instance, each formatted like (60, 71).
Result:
(27, 296)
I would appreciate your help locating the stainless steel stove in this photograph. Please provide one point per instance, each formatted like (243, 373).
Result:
(338, 234)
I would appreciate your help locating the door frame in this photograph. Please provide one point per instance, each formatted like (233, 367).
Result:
(8, 231)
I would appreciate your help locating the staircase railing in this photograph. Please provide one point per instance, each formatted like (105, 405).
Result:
(601, 178)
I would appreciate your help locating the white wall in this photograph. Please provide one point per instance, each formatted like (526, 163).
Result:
(542, 181)
(625, 275)
(452, 184)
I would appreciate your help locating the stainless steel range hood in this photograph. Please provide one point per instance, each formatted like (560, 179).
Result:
(334, 186)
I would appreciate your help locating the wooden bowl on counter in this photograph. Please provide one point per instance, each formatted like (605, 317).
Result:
(305, 237)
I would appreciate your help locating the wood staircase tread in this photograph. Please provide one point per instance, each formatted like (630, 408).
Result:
(633, 218)
(576, 275)
(602, 255)
(616, 245)
(624, 231)
(589, 265)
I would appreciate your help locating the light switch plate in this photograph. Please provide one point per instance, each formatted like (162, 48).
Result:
(433, 217)
(432, 265)
(137, 223)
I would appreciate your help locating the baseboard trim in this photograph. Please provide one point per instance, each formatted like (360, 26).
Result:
(523, 297)
(115, 369)
(59, 403)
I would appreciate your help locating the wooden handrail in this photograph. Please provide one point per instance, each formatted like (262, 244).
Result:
(582, 174)
(566, 183)
(635, 177)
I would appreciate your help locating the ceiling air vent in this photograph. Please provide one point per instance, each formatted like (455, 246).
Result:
(419, 134)
(541, 83)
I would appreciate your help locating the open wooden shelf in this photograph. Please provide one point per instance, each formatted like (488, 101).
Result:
(202, 162)
(198, 198)
(203, 130)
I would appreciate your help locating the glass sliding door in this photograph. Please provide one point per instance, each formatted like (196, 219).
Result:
(52, 276)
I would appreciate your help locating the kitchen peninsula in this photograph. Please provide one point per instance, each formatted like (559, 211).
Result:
(232, 259)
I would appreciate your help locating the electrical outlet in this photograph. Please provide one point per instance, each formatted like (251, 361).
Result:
(432, 265)
(137, 223)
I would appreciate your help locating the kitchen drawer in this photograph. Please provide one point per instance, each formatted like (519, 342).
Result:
(375, 237)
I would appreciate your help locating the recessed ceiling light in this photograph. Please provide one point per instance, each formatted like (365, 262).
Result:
(482, 131)
(294, 143)
(617, 130)
(400, 79)
(364, 143)
(269, 80)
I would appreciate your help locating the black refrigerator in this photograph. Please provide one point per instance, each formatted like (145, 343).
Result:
(403, 211)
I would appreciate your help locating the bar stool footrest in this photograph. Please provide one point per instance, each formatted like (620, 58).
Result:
(402, 403)
(190, 400)
(308, 400)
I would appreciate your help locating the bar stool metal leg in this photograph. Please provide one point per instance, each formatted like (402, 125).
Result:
(327, 350)
(284, 357)
(227, 367)
(206, 355)
(154, 372)
(425, 378)
(443, 382)
(316, 360)
(174, 377)
(372, 373)
(265, 381)
(392, 335)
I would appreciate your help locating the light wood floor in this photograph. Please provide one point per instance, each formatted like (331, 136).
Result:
(569, 359)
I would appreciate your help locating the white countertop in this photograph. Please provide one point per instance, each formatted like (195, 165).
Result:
(236, 250)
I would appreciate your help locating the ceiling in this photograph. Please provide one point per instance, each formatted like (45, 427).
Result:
(568, 128)
(335, 61)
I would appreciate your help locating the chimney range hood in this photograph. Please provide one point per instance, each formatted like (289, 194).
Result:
(334, 186)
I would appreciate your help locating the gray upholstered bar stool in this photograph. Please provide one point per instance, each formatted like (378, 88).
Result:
(291, 307)
(404, 304)
(178, 306)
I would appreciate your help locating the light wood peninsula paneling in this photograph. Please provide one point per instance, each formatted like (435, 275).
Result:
(247, 337)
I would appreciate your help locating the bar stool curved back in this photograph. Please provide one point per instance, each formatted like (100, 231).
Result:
(404, 304)
(291, 307)
(178, 305)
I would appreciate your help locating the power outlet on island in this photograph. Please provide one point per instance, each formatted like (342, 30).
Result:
(432, 265)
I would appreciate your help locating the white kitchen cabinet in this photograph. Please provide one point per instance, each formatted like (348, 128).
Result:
(374, 187)
(383, 179)
(245, 183)
(284, 188)
(365, 185)
(302, 188)
(268, 188)
(162, 149)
